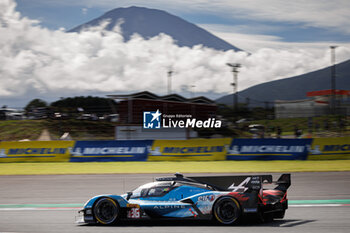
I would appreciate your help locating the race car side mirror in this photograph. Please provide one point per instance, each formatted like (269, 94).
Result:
(129, 194)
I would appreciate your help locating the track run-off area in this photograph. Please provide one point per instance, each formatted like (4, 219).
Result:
(318, 201)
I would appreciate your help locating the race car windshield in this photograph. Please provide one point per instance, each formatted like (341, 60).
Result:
(158, 191)
(155, 189)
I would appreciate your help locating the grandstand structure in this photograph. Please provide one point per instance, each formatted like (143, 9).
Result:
(132, 106)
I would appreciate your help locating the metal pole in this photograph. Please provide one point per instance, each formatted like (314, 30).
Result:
(169, 81)
(130, 112)
(333, 81)
(235, 71)
(192, 90)
(233, 93)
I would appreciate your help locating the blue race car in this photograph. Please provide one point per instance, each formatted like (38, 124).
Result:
(225, 199)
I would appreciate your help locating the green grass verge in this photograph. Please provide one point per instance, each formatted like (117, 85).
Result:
(172, 167)
(14, 130)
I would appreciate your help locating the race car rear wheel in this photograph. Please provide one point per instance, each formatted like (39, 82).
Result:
(226, 210)
(106, 211)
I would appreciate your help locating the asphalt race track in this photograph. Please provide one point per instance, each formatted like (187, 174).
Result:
(53, 190)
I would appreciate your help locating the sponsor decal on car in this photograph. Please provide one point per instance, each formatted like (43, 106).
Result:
(250, 210)
(134, 213)
(168, 207)
(206, 198)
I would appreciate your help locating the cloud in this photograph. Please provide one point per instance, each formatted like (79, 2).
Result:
(84, 10)
(253, 42)
(315, 13)
(38, 61)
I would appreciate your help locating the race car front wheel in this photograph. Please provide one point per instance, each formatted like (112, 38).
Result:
(106, 211)
(226, 210)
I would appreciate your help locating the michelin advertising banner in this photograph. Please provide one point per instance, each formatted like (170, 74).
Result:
(109, 151)
(190, 150)
(35, 151)
(268, 149)
(330, 148)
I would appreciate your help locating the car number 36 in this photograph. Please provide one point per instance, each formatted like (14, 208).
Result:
(134, 213)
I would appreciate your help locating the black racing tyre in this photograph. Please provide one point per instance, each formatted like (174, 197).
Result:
(279, 214)
(106, 211)
(268, 217)
(226, 210)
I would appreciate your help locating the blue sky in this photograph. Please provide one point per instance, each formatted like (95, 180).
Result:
(277, 23)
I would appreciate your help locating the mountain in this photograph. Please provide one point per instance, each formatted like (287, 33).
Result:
(150, 22)
(293, 88)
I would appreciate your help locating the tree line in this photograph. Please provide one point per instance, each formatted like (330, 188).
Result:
(86, 104)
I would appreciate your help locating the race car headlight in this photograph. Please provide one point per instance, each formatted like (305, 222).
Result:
(88, 211)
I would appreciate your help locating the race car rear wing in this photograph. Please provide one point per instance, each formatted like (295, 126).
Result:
(235, 183)
(245, 183)
(283, 182)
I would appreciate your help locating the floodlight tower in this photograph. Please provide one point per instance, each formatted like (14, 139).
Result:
(234, 67)
(170, 72)
(192, 90)
(333, 76)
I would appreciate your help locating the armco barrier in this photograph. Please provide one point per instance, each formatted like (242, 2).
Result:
(35, 151)
(330, 148)
(268, 149)
(108, 151)
(193, 149)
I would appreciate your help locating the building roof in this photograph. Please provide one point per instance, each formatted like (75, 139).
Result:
(170, 97)
(137, 95)
(327, 92)
(293, 101)
(202, 100)
(174, 97)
